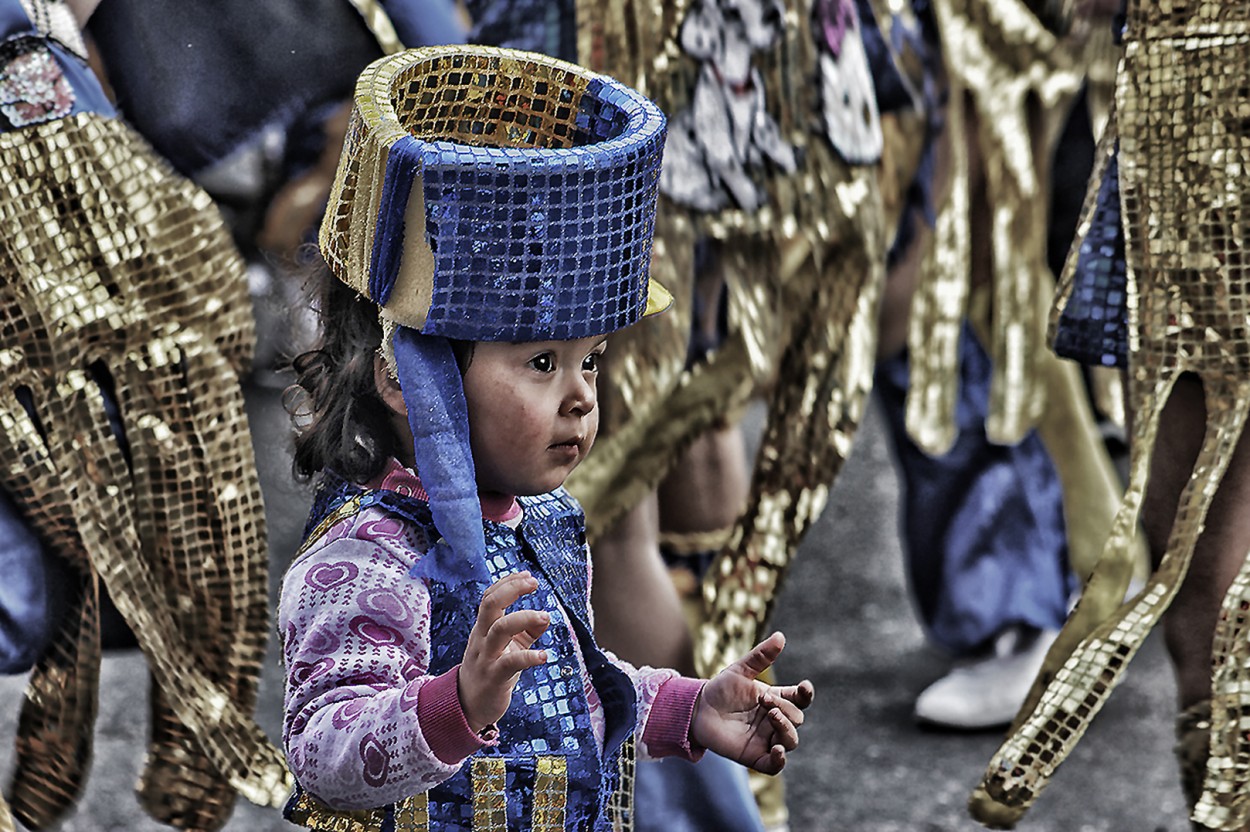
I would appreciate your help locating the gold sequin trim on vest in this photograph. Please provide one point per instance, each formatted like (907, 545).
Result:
(490, 794)
(551, 783)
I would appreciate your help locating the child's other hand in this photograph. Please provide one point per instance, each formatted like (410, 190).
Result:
(742, 718)
(499, 649)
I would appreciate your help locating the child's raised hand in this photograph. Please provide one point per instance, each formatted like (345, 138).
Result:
(499, 649)
(742, 718)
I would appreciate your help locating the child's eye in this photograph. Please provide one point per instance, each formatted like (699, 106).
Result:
(590, 363)
(544, 363)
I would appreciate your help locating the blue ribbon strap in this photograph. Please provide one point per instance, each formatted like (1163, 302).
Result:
(437, 414)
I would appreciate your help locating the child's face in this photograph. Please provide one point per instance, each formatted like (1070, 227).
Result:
(532, 412)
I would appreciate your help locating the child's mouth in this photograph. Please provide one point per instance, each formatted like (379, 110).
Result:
(570, 448)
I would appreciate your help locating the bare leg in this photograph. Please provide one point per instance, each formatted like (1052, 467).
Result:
(707, 490)
(637, 612)
(638, 609)
(1190, 622)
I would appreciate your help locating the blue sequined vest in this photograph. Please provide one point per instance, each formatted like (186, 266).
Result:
(547, 772)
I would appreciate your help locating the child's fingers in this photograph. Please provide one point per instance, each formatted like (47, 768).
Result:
(792, 712)
(787, 732)
(761, 656)
(508, 589)
(502, 594)
(522, 627)
(800, 695)
(773, 763)
(518, 660)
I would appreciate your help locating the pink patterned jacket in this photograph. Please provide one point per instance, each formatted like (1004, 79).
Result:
(365, 725)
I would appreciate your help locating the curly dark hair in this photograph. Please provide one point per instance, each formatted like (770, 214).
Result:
(342, 424)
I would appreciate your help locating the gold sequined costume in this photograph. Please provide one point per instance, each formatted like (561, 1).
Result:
(119, 279)
(1001, 63)
(1012, 80)
(800, 242)
(751, 170)
(1184, 141)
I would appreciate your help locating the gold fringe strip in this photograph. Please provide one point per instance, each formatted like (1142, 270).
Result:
(687, 544)
(1019, 80)
(379, 23)
(1022, 767)
(825, 375)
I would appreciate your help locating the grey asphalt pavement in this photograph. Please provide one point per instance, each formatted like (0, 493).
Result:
(863, 765)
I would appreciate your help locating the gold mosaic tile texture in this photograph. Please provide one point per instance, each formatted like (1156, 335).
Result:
(803, 270)
(1011, 82)
(1182, 100)
(119, 279)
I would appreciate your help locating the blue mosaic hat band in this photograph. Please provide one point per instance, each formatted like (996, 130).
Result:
(492, 194)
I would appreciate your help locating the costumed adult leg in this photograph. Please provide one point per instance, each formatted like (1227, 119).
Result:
(1190, 623)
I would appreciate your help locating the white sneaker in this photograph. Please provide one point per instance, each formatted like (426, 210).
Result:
(987, 692)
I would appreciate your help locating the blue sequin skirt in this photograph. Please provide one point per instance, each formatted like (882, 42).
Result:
(1092, 326)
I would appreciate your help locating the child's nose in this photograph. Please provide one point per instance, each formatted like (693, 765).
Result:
(581, 397)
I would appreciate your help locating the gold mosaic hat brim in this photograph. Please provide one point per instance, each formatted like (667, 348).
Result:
(493, 194)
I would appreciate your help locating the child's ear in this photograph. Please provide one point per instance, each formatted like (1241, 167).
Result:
(388, 388)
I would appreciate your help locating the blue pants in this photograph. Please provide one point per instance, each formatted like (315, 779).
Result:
(27, 620)
(982, 526)
(712, 795)
(38, 585)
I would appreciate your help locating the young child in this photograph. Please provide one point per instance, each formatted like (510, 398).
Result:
(491, 225)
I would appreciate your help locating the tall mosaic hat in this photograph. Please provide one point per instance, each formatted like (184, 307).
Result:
(488, 194)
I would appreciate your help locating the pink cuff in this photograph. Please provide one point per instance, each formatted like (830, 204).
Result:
(441, 717)
(668, 725)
